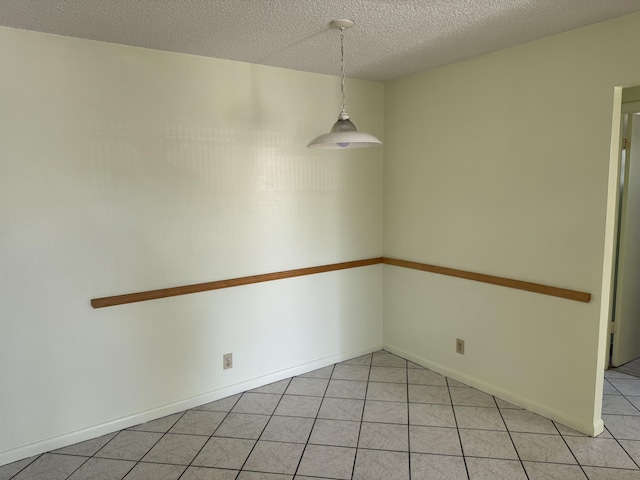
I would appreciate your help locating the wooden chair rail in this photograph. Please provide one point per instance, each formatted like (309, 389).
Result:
(504, 282)
(267, 277)
(234, 282)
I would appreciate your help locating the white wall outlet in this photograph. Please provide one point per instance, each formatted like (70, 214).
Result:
(459, 346)
(227, 361)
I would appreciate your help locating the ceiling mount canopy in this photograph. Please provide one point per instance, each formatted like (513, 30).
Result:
(344, 133)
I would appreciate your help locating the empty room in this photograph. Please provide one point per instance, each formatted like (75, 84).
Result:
(204, 277)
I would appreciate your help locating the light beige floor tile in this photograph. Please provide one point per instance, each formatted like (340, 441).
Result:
(623, 427)
(161, 425)
(288, 429)
(11, 469)
(388, 374)
(338, 433)
(528, 422)
(599, 473)
(341, 409)
(488, 444)
(257, 403)
(222, 405)
(618, 405)
(536, 447)
(504, 404)
(609, 389)
(102, 469)
(600, 452)
(332, 462)
(51, 466)
(626, 386)
(491, 469)
(351, 372)
(324, 372)
(415, 365)
(263, 476)
(155, 471)
(176, 449)
(276, 387)
(198, 422)
(426, 377)
(386, 412)
(435, 440)
(632, 447)
(483, 418)
(431, 415)
(202, 473)
(382, 436)
(381, 465)
(437, 467)
(553, 471)
(346, 389)
(429, 394)
(129, 445)
(362, 360)
(87, 448)
(385, 359)
(224, 453)
(298, 406)
(242, 425)
(471, 397)
(454, 383)
(387, 392)
(274, 457)
(314, 387)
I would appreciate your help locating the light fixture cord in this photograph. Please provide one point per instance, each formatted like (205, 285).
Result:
(342, 67)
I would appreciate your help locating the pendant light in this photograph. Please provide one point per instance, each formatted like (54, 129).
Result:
(343, 134)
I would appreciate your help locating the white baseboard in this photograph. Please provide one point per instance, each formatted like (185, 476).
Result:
(592, 428)
(71, 438)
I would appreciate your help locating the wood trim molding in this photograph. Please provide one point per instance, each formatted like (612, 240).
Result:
(267, 277)
(504, 282)
(234, 282)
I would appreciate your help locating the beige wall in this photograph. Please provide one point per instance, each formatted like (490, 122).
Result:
(124, 170)
(499, 165)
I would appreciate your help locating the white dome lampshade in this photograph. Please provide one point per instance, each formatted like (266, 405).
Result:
(344, 133)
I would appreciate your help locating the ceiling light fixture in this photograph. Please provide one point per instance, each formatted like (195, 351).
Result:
(343, 134)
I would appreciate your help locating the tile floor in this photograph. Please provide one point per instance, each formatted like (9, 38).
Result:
(373, 417)
(630, 368)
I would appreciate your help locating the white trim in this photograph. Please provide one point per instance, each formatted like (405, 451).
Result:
(72, 438)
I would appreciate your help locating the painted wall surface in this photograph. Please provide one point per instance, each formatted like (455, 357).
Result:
(499, 165)
(630, 95)
(124, 170)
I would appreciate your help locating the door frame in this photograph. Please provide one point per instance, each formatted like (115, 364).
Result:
(628, 110)
(610, 237)
(611, 233)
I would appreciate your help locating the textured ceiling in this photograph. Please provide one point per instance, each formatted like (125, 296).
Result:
(390, 39)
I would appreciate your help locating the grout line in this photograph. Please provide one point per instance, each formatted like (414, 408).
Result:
(511, 437)
(364, 406)
(455, 419)
(265, 425)
(618, 441)
(210, 436)
(569, 447)
(182, 414)
(333, 367)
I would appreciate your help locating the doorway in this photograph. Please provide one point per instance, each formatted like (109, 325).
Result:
(624, 328)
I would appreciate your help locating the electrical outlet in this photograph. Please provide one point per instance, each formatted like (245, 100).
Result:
(227, 361)
(459, 346)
